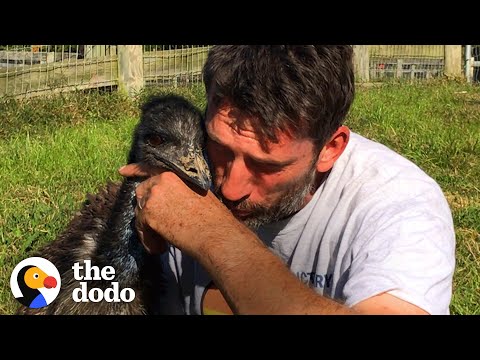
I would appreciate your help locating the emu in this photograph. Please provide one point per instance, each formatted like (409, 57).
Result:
(170, 135)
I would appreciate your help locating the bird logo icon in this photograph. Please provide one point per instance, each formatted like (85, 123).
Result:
(35, 282)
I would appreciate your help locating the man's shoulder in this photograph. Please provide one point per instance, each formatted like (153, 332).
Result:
(375, 153)
(370, 160)
(372, 173)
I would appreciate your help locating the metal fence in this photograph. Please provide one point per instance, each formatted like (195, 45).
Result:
(173, 64)
(406, 61)
(34, 69)
(27, 70)
(39, 69)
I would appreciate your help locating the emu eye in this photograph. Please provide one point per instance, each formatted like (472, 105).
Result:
(36, 276)
(154, 140)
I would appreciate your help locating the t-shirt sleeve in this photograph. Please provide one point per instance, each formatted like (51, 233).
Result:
(407, 248)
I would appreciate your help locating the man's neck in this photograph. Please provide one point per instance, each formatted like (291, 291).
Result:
(319, 180)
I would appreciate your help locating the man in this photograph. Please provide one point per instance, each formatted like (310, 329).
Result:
(309, 217)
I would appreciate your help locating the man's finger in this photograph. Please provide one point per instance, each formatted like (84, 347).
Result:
(139, 169)
(134, 170)
(150, 240)
(140, 202)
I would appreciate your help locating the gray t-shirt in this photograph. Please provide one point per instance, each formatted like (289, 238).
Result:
(377, 224)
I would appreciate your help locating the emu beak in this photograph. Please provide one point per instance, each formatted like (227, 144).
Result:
(193, 168)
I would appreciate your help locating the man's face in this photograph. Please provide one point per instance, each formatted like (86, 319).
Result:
(259, 186)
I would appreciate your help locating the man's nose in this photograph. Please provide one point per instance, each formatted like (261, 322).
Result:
(237, 183)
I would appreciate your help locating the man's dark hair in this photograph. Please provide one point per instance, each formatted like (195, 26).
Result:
(304, 89)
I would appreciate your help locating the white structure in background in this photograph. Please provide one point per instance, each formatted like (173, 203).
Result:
(472, 63)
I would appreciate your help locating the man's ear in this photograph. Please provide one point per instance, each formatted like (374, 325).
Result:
(333, 149)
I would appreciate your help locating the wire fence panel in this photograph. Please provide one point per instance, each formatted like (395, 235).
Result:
(173, 65)
(406, 61)
(476, 63)
(40, 69)
(36, 69)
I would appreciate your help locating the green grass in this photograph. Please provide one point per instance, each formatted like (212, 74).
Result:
(55, 150)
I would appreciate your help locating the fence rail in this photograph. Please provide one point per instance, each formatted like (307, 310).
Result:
(27, 70)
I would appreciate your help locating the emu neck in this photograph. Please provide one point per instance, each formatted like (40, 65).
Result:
(121, 247)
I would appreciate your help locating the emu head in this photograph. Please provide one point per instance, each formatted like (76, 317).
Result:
(171, 135)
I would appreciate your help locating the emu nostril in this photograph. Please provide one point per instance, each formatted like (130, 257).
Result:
(192, 170)
(50, 282)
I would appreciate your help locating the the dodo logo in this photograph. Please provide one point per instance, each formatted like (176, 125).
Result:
(35, 282)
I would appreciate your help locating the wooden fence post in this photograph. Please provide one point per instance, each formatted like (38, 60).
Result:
(453, 61)
(361, 60)
(130, 69)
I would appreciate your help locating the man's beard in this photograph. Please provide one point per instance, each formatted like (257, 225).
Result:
(291, 200)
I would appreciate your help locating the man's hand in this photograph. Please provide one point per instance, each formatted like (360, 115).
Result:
(151, 241)
(170, 210)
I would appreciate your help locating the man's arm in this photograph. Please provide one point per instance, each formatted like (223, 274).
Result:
(255, 281)
(387, 304)
(251, 278)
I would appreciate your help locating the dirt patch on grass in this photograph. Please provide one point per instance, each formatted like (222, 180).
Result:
(457, 201)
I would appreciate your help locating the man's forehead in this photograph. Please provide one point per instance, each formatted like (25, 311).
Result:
(285, 143)
(248, 128)
(284, 139)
